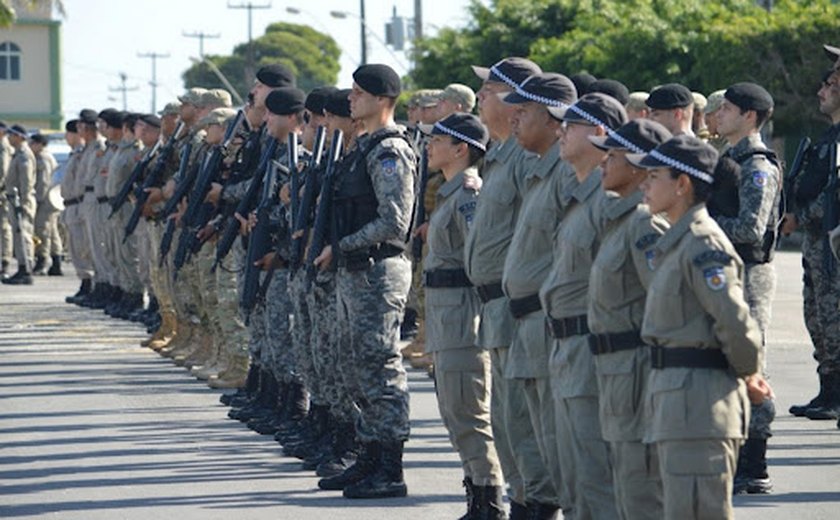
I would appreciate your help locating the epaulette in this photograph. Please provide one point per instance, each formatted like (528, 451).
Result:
(646, 241)
(712, 256)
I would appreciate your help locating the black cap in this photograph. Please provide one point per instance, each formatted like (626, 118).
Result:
(72, 126)
(684, 153)
(38, 138)
(612, 88)
(338, 103)
(669, 96)
(18, 131)
(317, 98)
(510, 71)
(3, 125)
(597, 109)
(285, 101)
(130, 118)
(555, 91)
(467, 128)
(749, 96)
(378, 80)
(151, 120)
(276, 75)
(88, 116)
(637, 136)
(832, 52)
(112, 117)
(582, 81)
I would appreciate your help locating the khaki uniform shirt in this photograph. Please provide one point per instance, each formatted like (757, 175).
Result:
(69, 183)
(451, 312)
(618, 285)
(90, 166)
(6, 152)
(45, 165)
(22, 176)
(696, 299)
(122, 164)
(103, 163)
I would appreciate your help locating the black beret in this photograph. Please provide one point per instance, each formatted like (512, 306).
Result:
(749, 96)
(684, 153)
(112, 117)
(637, 136)
(378, 80)
(511, 71)
(338, 103)
(597, 109)
(583, 81)
(88, 116)
(129, 118)
(467, 128)
(276, 75)
(612, 88)
(151, 120)
(317, 98)
(555, 91)
(72, 126)
(671, 95)
(18, 131)
(38, 138)
(285, 100)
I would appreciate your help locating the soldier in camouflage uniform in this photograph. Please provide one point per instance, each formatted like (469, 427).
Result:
(46, 217)
(752, 230)
(373, 206)
(21, 177)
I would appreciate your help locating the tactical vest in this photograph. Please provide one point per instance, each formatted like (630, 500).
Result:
(811, 182)
(355, 201)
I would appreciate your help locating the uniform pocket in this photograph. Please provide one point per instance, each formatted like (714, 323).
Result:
(618, 381)
(667, 402)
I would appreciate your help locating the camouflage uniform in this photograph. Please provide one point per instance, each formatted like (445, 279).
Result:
(46, 218)
(22, 176)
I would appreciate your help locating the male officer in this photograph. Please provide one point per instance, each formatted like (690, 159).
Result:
(73, 192)
(21, 177)
(46, 216)
(672, 106)
(6, 247)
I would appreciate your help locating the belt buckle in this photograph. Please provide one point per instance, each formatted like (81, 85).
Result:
(657, 357)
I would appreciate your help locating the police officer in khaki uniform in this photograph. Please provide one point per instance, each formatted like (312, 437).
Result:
(46, 216)
(456, 144)
(73, 192)
(705, 346)
(6, 247)
(527, 265)
(617, 288)
(21, 177)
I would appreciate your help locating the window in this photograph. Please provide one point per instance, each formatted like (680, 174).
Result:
(9, 61)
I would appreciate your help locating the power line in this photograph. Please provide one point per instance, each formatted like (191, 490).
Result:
(201, 36)
(154, 57)
(124, 89)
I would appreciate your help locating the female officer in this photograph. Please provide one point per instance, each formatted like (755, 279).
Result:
(462, 370)
(705, 345)
(617, 282)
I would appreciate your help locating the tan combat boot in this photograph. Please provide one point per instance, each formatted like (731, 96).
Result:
(166, 333)
(184, 337)
(212, 366)
(205, 349)
(233, 376)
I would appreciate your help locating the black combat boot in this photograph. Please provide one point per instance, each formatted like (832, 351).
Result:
(799, 410)
(4, 269)
(830, 407)
(40, 268)
(408, 327)
(99, 301)
(343, 450)
(21, 277)
(116, 299)
(366, 464)
(84, 290)
(489, 503)
(518, 511)
(254, 405)
(241, 396)
(751, 477)
(537, 511)
(386, 480)
(55, 268)
(472, 504)
(91, 296)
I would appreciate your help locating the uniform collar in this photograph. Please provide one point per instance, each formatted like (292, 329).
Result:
(585, 189)
(682, 226)
(545, 165)
(501, 151)
(451, 186)
(750, 142)
(620, 206)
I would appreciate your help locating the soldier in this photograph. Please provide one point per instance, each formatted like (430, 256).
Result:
(706, 346)
(72, 192)
(6, 247)
(46, 216)
(169, 118)
(698, 120)
(672, 106)
(617, 284)
(583, 453)
(713, 104)
(373, 208)
(528, 262)
(813, 190)
(94, 144)
(636, 107)
(751, 227)
(21, 177)
(612, 88)
(455, 98)
(487, 242)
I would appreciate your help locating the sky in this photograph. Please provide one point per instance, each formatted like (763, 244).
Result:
(102, 38)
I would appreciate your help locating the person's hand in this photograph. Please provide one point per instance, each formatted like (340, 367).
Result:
(758, 389)
(266, 261)
(789, 224)
(244, 224)
(473, 182)
(214, 193)
(169, 189)
(155, 195)
(324, 260)
(206, 232)
(285, 194)
(422, 230)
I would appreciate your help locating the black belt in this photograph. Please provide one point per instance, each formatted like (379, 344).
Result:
(439, 278)
(102, 200)
(522, 307)
(364, 259)
(88, 189)
(567, 327)
(688, 357)
(490, 292)
(608, 343)
(72, 202)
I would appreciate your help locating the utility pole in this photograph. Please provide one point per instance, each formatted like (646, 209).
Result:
(154, 57)
(201, 35)
(124, 89)
(418, 19)
(363, 29)
(249, 62)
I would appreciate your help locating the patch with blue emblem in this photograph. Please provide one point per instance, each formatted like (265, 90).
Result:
(715, 278)
(650, 259)
(647, 241)
(467, 210)
(389, 166)
(759, 179)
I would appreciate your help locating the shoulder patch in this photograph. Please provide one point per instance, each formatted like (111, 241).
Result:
(650, 259)
(712, 256)
(388, 165)
(647, 241)
(387, 154)
(715, 277)
(467, 210)
(759, 179)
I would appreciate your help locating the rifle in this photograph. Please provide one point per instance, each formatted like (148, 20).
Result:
(294, 176)
(187, 179)
(795, 170)
(122, 197)
(259, 240)
(420, 213)
(198, 211)
(17, 214)
(300, 219)
(831, 208)
(231, 228)
(319, 228)
(151, 180)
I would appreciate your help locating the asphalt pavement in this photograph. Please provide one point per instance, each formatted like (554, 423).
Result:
(92, 426)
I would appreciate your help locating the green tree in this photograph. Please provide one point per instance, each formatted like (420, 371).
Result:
(311, 55)
(8, 14)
